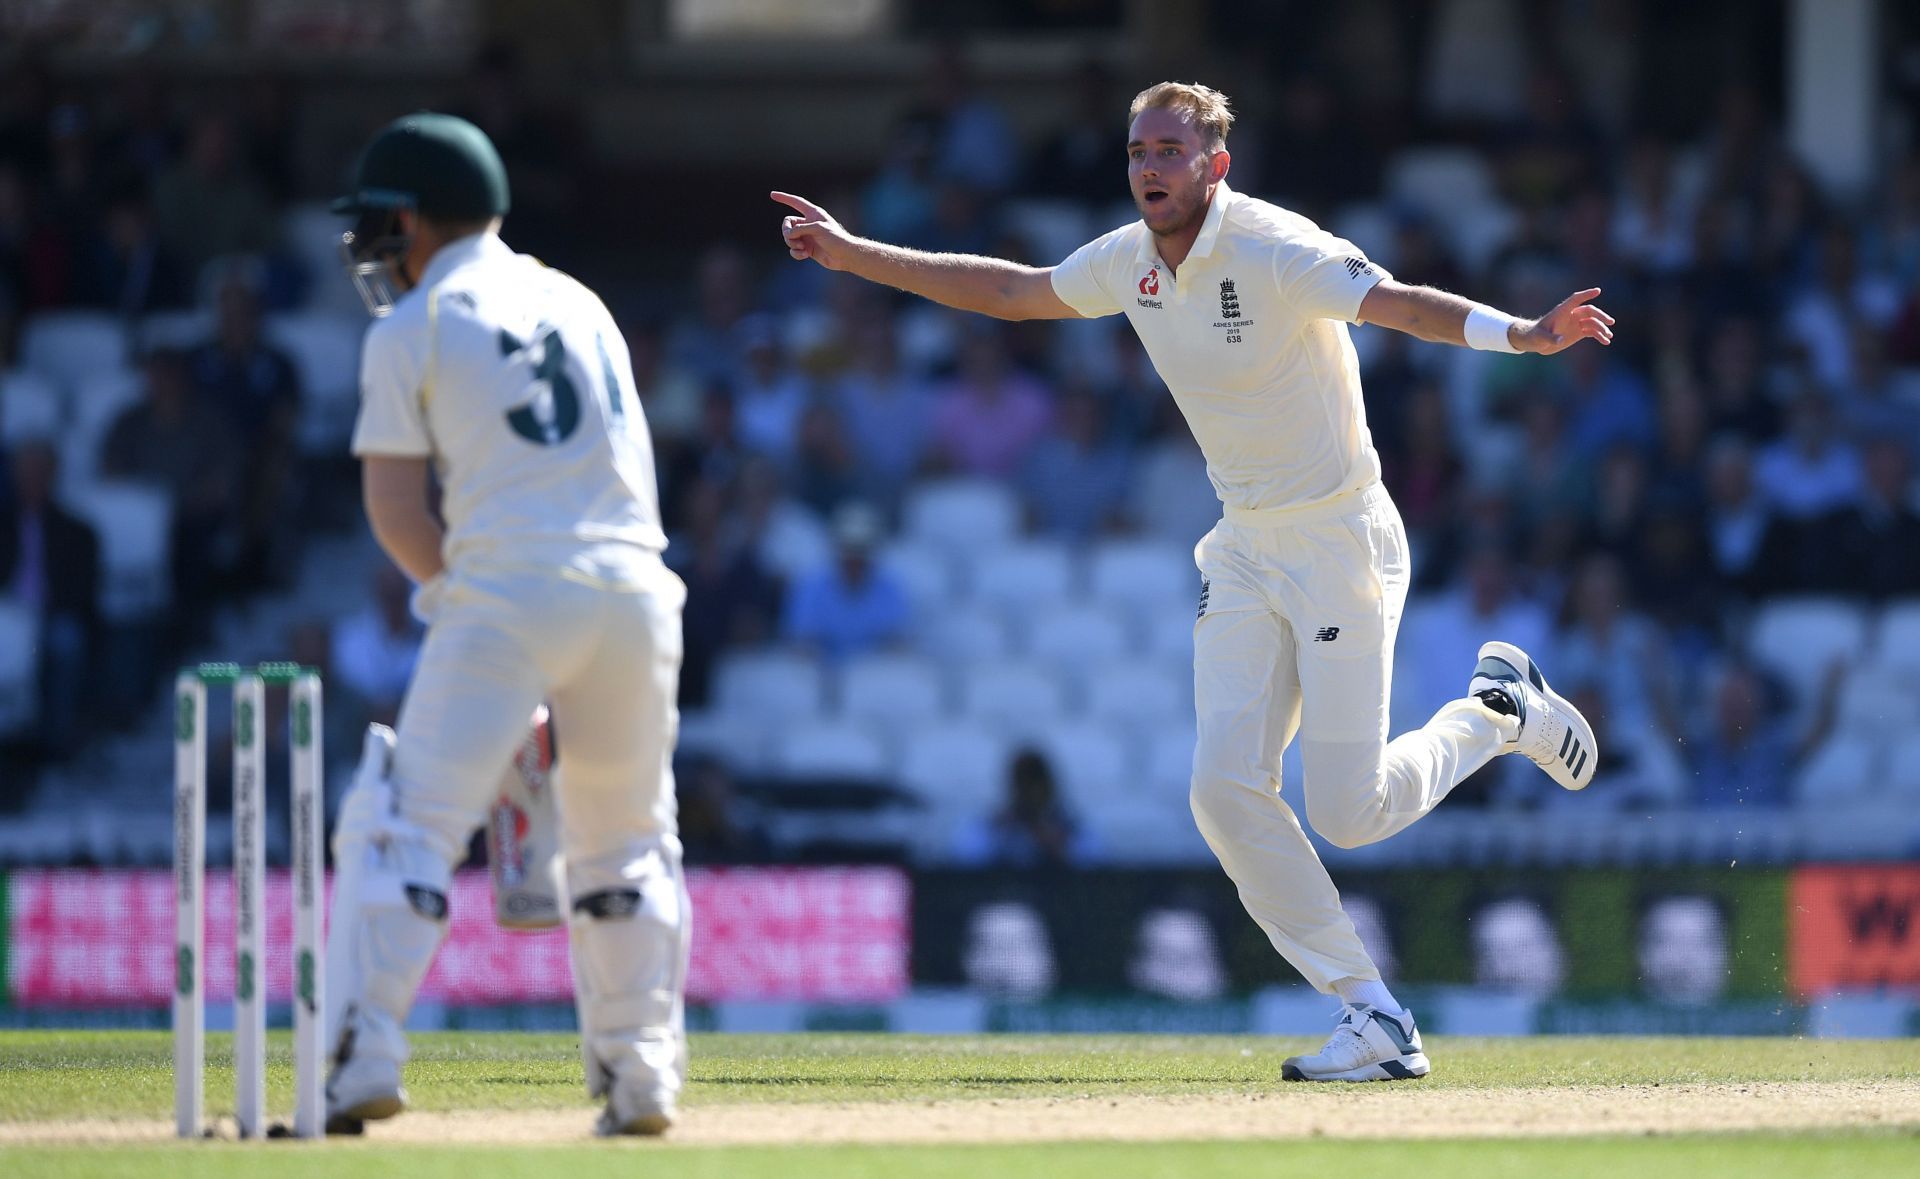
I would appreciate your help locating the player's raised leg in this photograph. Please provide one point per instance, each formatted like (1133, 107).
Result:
(630, 920)
(404, 824)
(1552, 733)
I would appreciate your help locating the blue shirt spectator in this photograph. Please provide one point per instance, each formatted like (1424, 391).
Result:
(851, 605)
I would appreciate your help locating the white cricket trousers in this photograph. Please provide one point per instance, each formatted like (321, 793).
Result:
(603, 654)
(1298, 612)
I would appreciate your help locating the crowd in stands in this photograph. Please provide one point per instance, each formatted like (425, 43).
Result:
(1626, 513)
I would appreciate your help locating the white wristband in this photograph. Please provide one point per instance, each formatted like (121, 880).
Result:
(1487, 329)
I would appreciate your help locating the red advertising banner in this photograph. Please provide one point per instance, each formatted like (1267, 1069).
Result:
(103, 938)
(1854, 927)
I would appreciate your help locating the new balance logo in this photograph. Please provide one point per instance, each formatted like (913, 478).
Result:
(1326, 634)
(1357, 267)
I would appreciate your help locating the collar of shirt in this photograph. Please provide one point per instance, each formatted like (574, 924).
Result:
(1209, 230)
(459, 252)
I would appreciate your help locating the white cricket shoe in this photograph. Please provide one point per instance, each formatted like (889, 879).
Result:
(1553, 734)
(629, 1112)
(1367, 1045)
(362, 1088)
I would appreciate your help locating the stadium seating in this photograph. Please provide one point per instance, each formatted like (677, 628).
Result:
(325, 347)
(964, 635)
(962, 515)
(19, 673)
(29, 407)
(831, 749)
(1897, 642)
(1842, 770)
(1798, 639)
(1023, 576)
(66, 346)
(1142, 575)
(1903, 768)
(1070, 636)
(1091, 764)
(925, 571)
(891, 689)
(769, 686)
(1136, 692)
(96, 402)
(1878, 700)
(134, 524)
(177, 330)
(1017, 697)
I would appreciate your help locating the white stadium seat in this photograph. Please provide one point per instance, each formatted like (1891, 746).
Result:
(1441, 181)
(97, 402)
(66, 346)
(1844, 769)
(891, 689)
(29, 408)
(957, 768)
(1022, 576)
(839, 749)
(1015, 697)
(1897, 643)
(1142, 574)
(925, 571)
(962, 515)
(177, 330)
(965, 635)
(740, 743)
(135, 525)
(1052, 228)
(1137, 692)
(1072, 635)
(1169, 758)
(1169, 634)
(1878, 701)
(769, 686)
(1797, 639)
(1090, 764)
(19, 667)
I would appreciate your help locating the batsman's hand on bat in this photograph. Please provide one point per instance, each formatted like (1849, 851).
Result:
(1574, 320)
(813, 234)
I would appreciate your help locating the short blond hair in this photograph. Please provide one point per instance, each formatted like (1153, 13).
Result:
(1203, 106)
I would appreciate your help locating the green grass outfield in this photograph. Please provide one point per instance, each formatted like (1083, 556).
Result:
(81, 1077)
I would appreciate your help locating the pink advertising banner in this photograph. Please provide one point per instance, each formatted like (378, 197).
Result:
(104, 938)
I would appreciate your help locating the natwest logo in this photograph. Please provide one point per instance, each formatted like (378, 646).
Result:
(1150, 285)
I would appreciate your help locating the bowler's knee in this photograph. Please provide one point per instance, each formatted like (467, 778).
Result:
(1346, 818)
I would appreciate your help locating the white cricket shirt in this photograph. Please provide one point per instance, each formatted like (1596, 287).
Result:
(515, 380)
(1251, 338)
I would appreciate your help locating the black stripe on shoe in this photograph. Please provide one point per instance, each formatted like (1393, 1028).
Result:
(1564, 743)
(1579, 763)
(1396, 1070)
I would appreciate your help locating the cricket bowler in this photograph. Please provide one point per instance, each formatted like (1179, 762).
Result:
(1243, 308)
(509, 386)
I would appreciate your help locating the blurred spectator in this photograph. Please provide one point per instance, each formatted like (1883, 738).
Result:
(1745, 757)
(668, 394)
(175, 441)
(1078, 160)
(254, 385)
(897, 204)
(713, 456)
(126, 270)
(1604, 641)
(1736, 400)
(988, 420)
(1879, 402)
(1654, 226)
(375, 648)
(731, 600)
(826, 471)
(1419, 461)
(1314, 163)
(50, 564)
(1031, 829)
(1075, 479)
(1548, 145)
(770, 394)
(1442, 640)
(1810, 472)
(716, 827)
(540, 147)
(707, 345)
(851, 604)
(1878, 539)
(1641, 769)
(210, 205)
(786, 537)
(1608, 405)
(1822, 318)
(888, 412)
(1737, 517)
(971, 135)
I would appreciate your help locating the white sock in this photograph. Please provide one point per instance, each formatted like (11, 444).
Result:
(1370, 991)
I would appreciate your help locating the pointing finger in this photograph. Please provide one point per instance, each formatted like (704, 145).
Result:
(799, 204)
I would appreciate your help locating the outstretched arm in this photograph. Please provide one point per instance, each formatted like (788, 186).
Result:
(970, 282)
(1446, 318)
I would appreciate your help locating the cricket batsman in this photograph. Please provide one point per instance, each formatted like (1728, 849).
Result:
(1243, 308)
(541, 579)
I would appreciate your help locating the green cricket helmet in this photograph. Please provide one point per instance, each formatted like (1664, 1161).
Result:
(436, 165)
